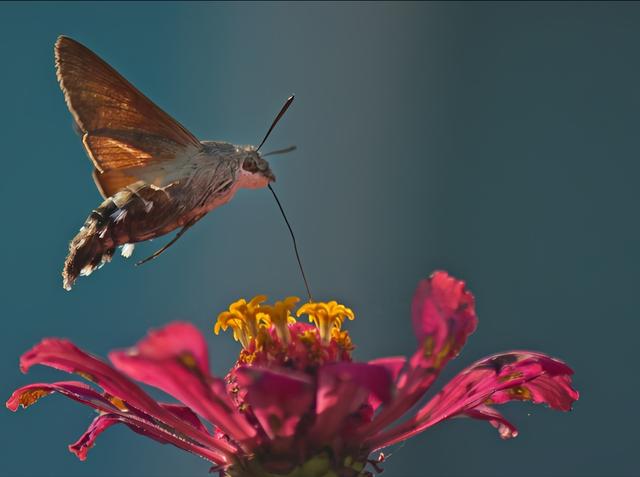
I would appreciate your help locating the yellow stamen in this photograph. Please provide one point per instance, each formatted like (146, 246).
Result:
(245, 319)
(342, 339)
(326, 316)
(280, 317)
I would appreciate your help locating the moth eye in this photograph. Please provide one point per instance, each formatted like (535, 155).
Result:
(250, 165)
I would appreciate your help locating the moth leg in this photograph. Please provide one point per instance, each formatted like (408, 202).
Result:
(127, 250)
(169, 243)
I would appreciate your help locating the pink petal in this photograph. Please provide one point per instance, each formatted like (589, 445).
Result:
(87, 440)
(278, 398)
(178, 339)
(555, 391)
(497, 420)
(186, 414)
(516, 375)
(342, 389)
(173, 360)
(64, 355)
(119, 411)
(393, 365)
(30, 394)
(443, 314)
(81, 447)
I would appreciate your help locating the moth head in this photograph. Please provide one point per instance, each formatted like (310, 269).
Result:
(254, 164)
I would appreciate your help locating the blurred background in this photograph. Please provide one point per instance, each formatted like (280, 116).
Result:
(498, 141)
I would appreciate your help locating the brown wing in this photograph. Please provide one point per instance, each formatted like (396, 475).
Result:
(122, 129)
(110, 182)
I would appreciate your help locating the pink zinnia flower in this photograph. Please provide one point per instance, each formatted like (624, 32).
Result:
(295, 404)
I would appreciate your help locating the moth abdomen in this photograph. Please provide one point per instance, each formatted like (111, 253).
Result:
(90, 248)
(132, 215)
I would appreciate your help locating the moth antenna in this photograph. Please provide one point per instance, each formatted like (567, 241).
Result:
(280, 151)
(293, 237)
(283, 110)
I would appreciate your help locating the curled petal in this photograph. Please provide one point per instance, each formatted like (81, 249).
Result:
(87, 440)
(553, 390)
(278, 399)
(517, 375)
(30, 394)
(443, 314)
(172, 359)
(497, 420)
(102, 422)
(117, 410)
(64, 355)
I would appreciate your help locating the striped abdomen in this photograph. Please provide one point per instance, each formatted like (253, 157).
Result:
(134, 214)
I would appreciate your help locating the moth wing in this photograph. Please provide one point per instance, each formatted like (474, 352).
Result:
(110, 182)
(159, 174)
(121, 128)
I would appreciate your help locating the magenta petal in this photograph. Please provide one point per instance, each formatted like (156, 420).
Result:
(342, 389)
(178, 339)
(497, 420)
(443, 314)
(553, 390)
(393, 365)
(86, 441)
(30, 394)
(172, 359)
(517, 375)
(278, 398)
(159, 433)
(186, 414)
(81, 447)
(119, 412)
(373, 378)
(64, 355)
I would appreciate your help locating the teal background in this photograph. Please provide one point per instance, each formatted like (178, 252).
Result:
(498, 141)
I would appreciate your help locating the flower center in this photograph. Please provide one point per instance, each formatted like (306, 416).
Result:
(270, 334)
